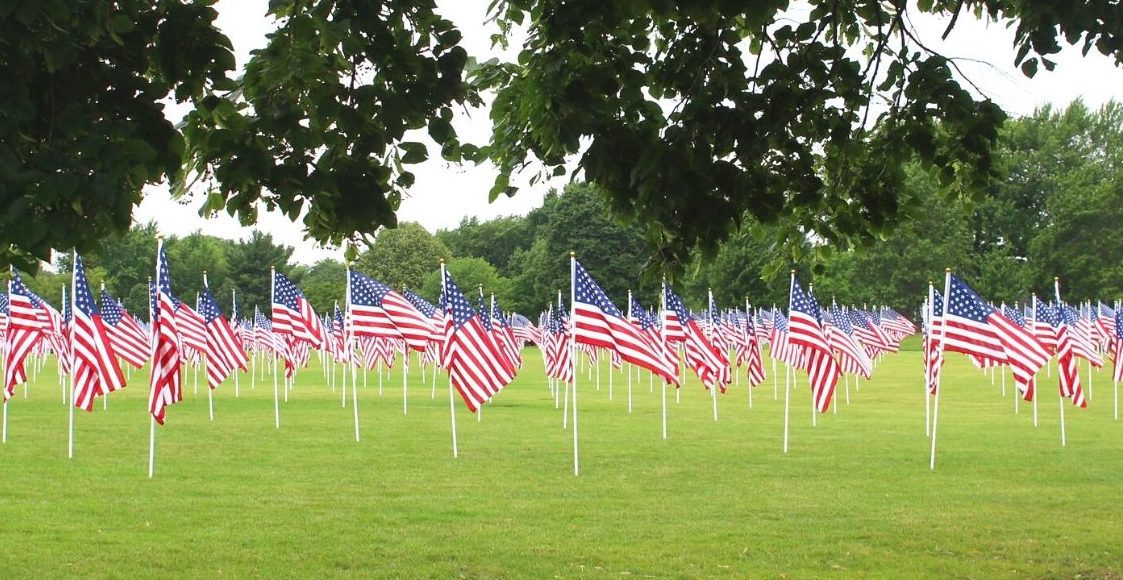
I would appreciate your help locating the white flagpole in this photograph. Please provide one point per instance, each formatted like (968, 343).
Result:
(276, 397)
(713, 333)
(1061, 397)
(70, 343)
(234, 319)
(752, 341)
(629, 365)
(1035, 393)
(451, 399)
(663, 337)
(787, 373)
(349, 337)
(573, 346)
(155, 340)
(936, 401)
(210, 391)
(929, 339)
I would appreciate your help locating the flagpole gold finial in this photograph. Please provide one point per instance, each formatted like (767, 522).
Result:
(947, 270)
(159, 237)
(572, 254)
(1056, 278)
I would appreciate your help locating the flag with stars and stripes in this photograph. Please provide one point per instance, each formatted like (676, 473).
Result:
(1067, 371)
(224, 351)
(165, 384)
(975, 328)
(699, 353)
(27, 325)
(129, 339)
(378, 311)
(476, 366)
(94, 362)
(806, 331)
(599, 323)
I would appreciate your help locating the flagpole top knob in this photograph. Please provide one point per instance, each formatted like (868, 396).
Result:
(793, 271)
(947, 270)
(160, 237)
(572, 254)
(1056, 278)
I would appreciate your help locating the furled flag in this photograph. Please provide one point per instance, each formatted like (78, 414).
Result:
(700, 354)
(1066, 359)
(27, 324)
(559, 357)
(473, 361)
(598, 322)
(224, 351)
(376, 310)
(165, 386)
(94, 362)
(805, 330)
(975, 328)
(933, 354)
(129, 340)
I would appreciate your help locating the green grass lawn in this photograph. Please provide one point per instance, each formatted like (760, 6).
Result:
(238, 497)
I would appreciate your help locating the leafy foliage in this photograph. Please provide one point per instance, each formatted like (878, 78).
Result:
(322, 124)
(403, 256)
(82, 123)
(691, 135)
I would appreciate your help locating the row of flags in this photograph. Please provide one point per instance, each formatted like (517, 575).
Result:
(477, 344)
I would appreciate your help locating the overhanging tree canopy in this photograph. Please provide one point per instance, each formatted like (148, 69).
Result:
(686, 114)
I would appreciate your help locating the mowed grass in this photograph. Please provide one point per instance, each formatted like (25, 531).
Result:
(854, 495)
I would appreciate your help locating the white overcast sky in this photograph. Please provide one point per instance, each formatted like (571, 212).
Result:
(444, 194)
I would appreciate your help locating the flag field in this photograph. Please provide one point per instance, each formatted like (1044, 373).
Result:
(854, 495)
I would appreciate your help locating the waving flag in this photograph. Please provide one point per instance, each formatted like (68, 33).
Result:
(475, 366)
(700, 354)
(597, 322)
(1079, 333)
(224, 352)
(933, 354)
(95, 367)
(165, 383)
(293, 315)
(840, 334)
(129, 340)
(1118, 345)
(780, 348)
(975, 328)
(27, 324)
(376, 310)
(806, 331)
(191, 326)
(1066, 357)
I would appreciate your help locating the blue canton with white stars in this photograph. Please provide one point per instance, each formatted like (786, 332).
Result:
(965, 303)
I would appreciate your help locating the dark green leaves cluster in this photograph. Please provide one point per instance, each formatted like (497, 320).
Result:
(328, 114)
(690, 116)
(82, 125)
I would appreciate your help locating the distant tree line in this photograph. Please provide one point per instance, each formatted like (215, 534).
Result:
(1054, 209)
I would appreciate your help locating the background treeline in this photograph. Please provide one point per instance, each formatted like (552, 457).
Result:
(1054, 209)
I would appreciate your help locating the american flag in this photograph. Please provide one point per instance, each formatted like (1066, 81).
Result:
(840, 335)
(224, 351)
(806, 331)
(524, 330)
(292, 314)
(648, 323)
(376, 310)
(869, 334)
(96, 371)
(598, 322)
(3, 313)
(341, 348)
(191, 326)
(504, 335)
(27, 324)
(1066, 359)
(1045, 320)
(890, 338)
(475, 365)
(558, 354)
(701, 356)
(748, 350)
(1079, 333)
(933, 354)
(780, 348)
(973, 327)
(165, 386)
(435, 316)
(1118, 344)
(128, 338)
